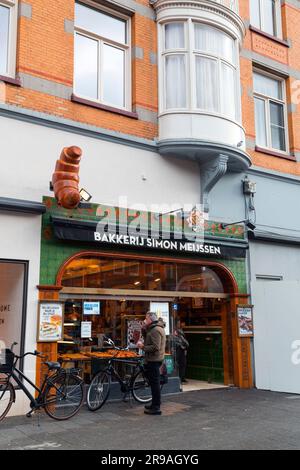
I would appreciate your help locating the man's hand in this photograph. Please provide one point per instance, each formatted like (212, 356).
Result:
(140, 344)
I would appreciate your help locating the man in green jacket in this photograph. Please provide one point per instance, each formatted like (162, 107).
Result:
(154, 347)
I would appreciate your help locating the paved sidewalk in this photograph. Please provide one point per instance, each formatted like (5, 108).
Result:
(215, 419)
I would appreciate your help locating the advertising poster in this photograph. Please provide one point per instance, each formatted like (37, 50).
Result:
(50, 326)
(162, 311)
(91, 308)
(134, 331)
(245, 320)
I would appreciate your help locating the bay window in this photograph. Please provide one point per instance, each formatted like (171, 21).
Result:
(102, 56)
(8, 31)
(270, 112)
(204, 57)
(266, 16)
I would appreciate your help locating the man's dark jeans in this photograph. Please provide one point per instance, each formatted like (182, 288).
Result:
(153, 374)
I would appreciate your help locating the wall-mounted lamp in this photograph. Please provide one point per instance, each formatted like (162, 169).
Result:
(85, 196)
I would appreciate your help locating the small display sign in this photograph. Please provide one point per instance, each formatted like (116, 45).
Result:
(86, 329)
(245, 320)
(91, 308)
(162, 311)
(50, 325)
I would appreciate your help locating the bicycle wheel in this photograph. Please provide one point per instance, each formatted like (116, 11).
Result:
(98, 391)
(141, 390)
(64, 396)
(7, 396)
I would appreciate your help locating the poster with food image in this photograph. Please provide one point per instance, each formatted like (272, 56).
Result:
(245, 320)
(134, 331)
(50, 326)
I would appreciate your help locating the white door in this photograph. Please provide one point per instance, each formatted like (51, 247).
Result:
(277, 335)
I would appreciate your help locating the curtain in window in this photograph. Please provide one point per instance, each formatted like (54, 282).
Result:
(267, 86)
(214, 41)
(260, 122)
(228, 91)
(174, 36)
(175, 82)
(4, 35)
(269, 17)
(207, 86)
(255, 13)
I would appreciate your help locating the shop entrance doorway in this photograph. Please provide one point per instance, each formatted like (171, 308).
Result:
(201, 321)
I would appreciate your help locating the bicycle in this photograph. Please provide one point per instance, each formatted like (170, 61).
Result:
(136, 384)
(61, 394)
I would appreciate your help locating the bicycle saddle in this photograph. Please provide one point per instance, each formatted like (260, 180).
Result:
(53, 365)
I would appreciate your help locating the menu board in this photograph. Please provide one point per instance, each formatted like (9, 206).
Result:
(50, 325)
(245, 320)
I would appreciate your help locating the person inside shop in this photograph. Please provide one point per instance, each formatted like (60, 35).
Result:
(154, 346)
(181, 346)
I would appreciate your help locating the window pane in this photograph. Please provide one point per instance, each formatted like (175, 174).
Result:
(214, 41)
(269, 17)
(174, 36)
(277, 126)
(278, 138)
(255, 13)
(175, 82)
(260, 122)
(113, 75)
(267, 86)
(99, 23)
(228, 91)
(86, 66)
(276, 114)
(207, 84)
(4, 34)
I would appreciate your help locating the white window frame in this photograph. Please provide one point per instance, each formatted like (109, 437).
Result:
(277, 19)
(267, 100)
(12, 37)
(102, 40)
(190, 54)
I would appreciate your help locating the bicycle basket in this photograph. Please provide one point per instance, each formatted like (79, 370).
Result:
(6, 361)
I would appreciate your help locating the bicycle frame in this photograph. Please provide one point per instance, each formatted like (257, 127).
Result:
(35, 403)
(110, 369)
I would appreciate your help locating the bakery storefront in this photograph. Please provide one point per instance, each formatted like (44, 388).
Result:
(101, 281)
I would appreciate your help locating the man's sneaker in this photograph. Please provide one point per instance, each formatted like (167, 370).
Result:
(148, 407)
(152, 411)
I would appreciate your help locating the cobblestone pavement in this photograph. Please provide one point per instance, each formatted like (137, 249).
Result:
(214, 419)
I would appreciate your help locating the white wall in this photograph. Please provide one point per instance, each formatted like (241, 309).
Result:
(108, 170)
(276, 316)
(20, 239)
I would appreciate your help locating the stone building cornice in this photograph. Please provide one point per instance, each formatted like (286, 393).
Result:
(208, 6)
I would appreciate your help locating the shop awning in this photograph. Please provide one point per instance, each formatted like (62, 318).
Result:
(92, 232)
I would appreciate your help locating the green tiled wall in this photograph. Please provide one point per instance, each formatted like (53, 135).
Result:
(205, 357)
(54, 252)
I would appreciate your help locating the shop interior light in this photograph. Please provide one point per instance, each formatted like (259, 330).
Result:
(157, 280)
(137, 283)
(85, 195)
